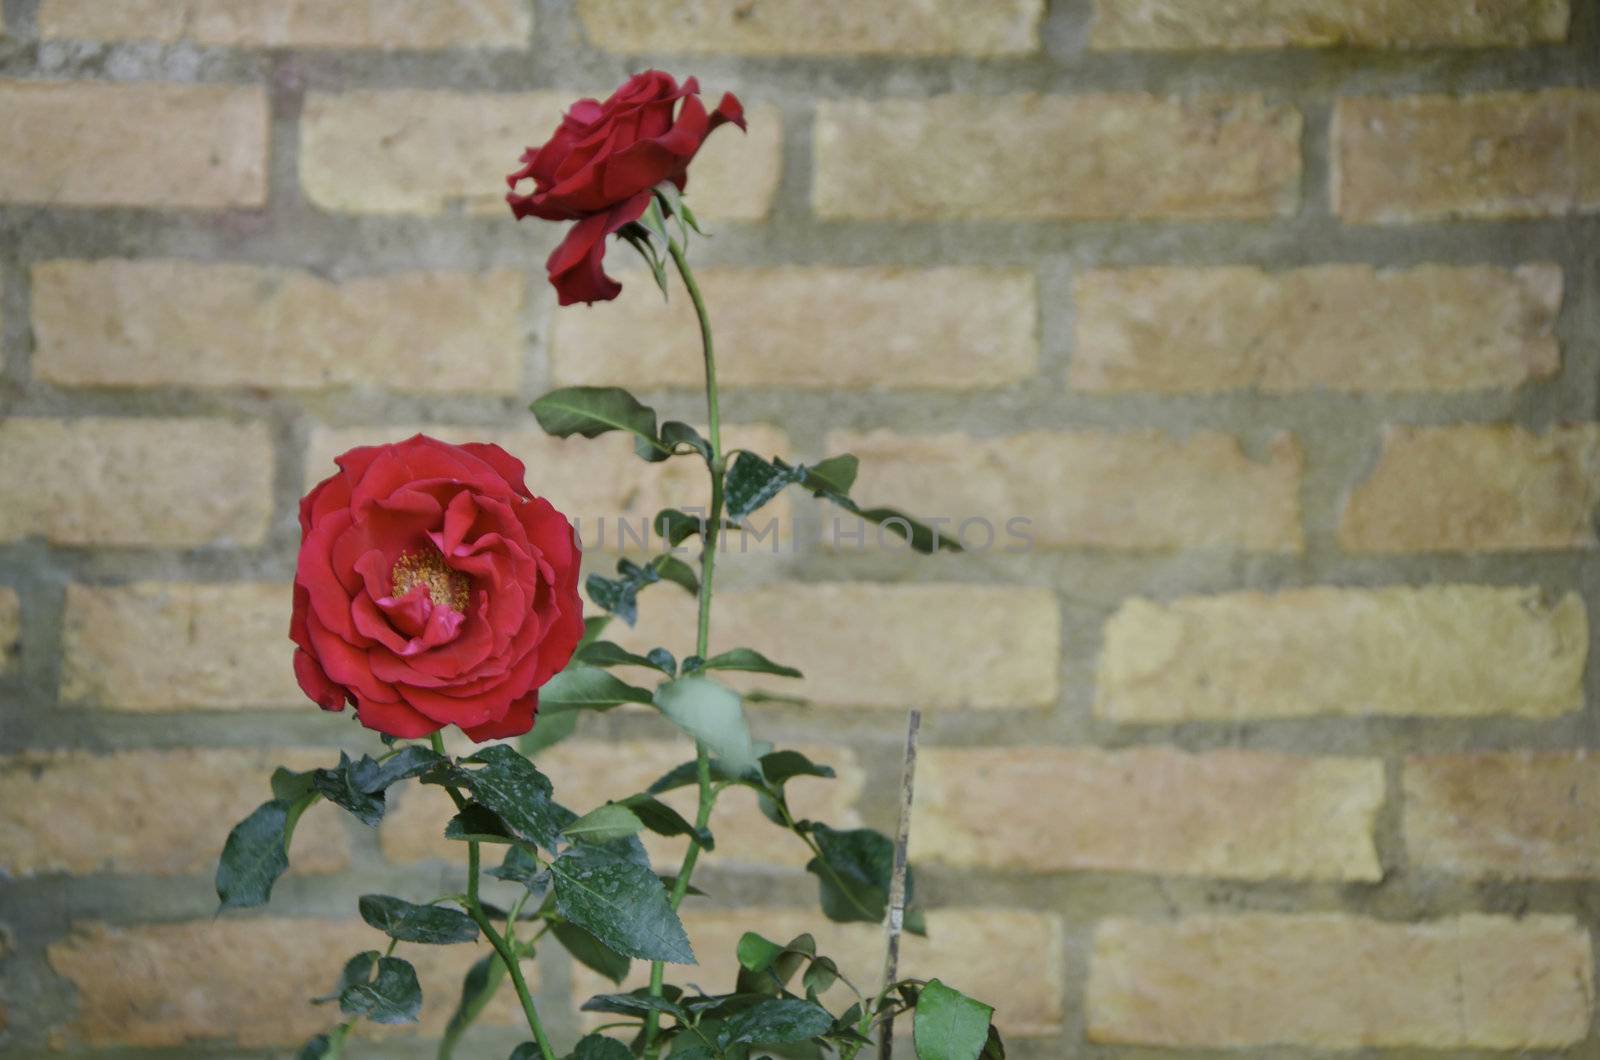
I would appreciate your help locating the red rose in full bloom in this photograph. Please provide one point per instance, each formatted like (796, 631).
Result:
(433, 589)
(599, 166)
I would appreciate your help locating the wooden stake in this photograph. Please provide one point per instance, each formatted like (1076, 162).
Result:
(897, 882)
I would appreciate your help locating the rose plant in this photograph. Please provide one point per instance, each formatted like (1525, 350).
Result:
(434, 589)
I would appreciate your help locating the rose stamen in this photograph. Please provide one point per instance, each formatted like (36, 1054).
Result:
(426, 566)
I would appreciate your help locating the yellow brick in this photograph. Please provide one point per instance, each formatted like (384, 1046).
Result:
(1056, 157)
(1519, 814)
(587, 773)
(1494, 155)
(161, 323)
(147, 145)
(1085, 489)
(1172, 25)
(1010, 957)
(934, 646)
(813, 329)
(240, 980)
(1339, 982)
(1437, 651)
(1330, 327)
(607, 492)
(391, 24)
(158, 646)
(135, 482)
(815, 27)
(1477, 488)
(430, 152)
(10, 626)
(160, 813)
(1156, 810)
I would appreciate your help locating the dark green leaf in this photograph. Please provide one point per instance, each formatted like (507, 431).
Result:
(756, 953)
(316, 1049)
(588, 688)
(550, 727)
(357, 969)
(669, 882)
(664, 820)
(835, 474)
(520, 866)
(772, 977)
(478, 823)
(832, 479)
(995, 1047)
(752, 482)
(605, 653)
(778, 1021)
(780, 766)
(591, 952)
(407, 763)
(406, 922)
(676, 571)
(949, 1025)
(675, 433)
(687, 774)
(711, 713)
(598, 1047)
(675, 527)
(353, 786)
(289, 787)
(516, 792)
(748, 660)
(604, 823)
(854, 872)
(819, 977)
(621, 903)
(254, 856)
(394, 996)
(638, 1003)
(594, 410)
(482, 980)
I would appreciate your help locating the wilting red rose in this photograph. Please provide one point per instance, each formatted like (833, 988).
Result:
(599, 166)
(433, 589)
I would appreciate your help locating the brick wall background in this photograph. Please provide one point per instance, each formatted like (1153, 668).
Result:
(1280, 320)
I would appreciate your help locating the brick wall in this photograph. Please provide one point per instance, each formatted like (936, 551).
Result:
(1281, 322)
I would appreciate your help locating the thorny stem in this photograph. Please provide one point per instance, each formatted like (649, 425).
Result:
(708, 560)
(508, 956)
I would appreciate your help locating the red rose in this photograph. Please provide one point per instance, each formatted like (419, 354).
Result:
(599, 166)
(433, 589)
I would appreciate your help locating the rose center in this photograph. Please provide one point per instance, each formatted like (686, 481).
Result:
(426, 566)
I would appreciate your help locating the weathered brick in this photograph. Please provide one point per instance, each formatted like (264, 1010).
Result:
(1517, 814)
(1477, 488)
(422, 25)
(161, 813)
(1438, 650)
(162, 646)
(1342, 982)
(815, 27)
(10, 626)
(1493, 155)
(1011, 956)
(1158, 810)
(136, 482)
(1130, 490)
(430, 152)
(157, 323)
(1332, 327)
(244, 980)
(587, 773)
(151, 145)
(1056, 157)
(608, 492)
(881, 645)
(1175, 25)
(813, 329)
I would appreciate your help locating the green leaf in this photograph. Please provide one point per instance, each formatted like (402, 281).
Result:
(949, 1025)
(621, 903)
(752, 482)
(676, 571)
(254, 856)
(675, 527)
(357, 969)
(756, 953)
(854, 874)
(675, 433)
(637, 1003)
(664, 820)
(779, 1021)
(598, 1047)
(517, 793)
(595, 410)
(591, 952)
(711, 713)
(605, 653)
(819, 977)
(407, 763)
(831, 480)
(593, 627)
(478, 988)
(603, 824)
(781, 766)
(995, 1047)
(394, 996)
(749, 661)
(347, 785)
(772, 977)
(588, 688)
(318, 1048)
(478, 824)
(550, 727)
(289, 786)
(835, 474)
(404, 921)
(520, 866)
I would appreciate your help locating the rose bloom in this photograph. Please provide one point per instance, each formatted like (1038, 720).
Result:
(600, 164)
(433, 589)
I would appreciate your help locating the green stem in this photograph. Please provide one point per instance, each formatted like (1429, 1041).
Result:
(337, 1038)
(708, 563)
(508, 956)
